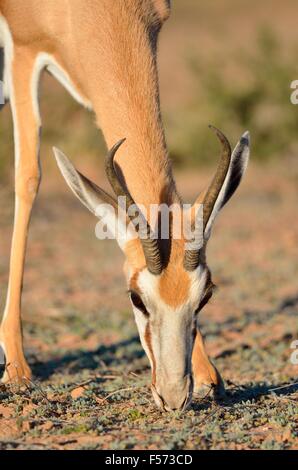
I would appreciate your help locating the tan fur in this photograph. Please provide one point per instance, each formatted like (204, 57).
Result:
(108, 49)
(174, 283)
(26, 186)
(204, 371)
(134, 254)
(111, 44)
(163, 8)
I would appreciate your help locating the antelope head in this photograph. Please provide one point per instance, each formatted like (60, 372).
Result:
(169, 282)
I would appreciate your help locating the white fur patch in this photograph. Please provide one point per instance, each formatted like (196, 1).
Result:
(45, 60)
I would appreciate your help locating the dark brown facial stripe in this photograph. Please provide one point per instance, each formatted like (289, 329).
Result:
(147, 338)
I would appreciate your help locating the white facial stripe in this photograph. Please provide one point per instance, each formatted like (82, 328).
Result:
(170, 328)
(149, 284)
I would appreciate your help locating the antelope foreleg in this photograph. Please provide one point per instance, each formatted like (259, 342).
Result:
(204, 372)
(27, 179)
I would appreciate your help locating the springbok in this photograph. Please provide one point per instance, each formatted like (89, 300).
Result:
(104, 53)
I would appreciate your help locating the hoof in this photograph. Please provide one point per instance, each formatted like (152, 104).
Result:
(16, 372)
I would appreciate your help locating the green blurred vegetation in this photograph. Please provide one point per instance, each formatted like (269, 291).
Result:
(256, 97)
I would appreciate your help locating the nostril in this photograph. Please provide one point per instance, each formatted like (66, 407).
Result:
(167, 408)
(182, 407)
(173, 398)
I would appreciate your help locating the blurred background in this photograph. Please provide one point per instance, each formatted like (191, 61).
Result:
(229, 63)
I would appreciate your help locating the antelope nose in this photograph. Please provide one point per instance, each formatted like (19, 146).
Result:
(172, 397)
(176, 400)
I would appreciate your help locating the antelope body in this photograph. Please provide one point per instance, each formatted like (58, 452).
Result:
(104, 53)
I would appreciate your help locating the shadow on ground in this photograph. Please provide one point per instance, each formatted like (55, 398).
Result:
(76, 361)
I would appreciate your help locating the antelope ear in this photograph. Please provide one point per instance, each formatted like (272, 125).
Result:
(238, 165)
(86, 191)
(98, 201)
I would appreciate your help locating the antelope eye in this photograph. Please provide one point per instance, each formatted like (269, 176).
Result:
(138, 303)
